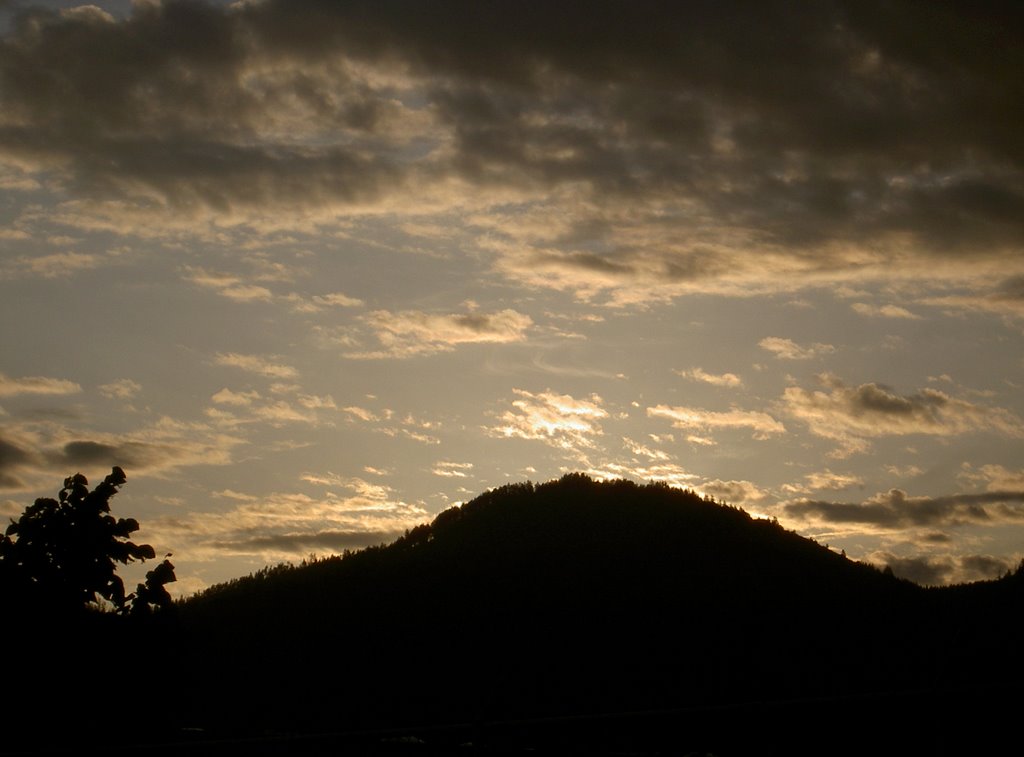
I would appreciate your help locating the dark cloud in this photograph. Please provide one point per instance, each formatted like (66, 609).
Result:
(924, 570)
(155, 106)
(851, 415)
(91, 453)
(929, 570)
(304, 543)
(895, 509)
(12, 457)
(82, 455)
(1013, 288)
(982, 567)
(133, 456)
(801, 131)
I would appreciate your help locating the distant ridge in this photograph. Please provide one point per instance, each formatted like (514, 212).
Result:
(574, 600)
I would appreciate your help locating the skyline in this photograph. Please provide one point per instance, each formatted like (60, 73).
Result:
(312, 272)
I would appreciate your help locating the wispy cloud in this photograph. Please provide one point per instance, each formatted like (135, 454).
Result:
(54, 265)
(448, 469)
(336, 300)
(825, 479)
(642, 450)
(787, 349)
(367, 416)
(286, 525)
(12, 387)
(762, 424)
(122, 389)
(884, 311)
(242, 288)
(410, 333)
(1006, 298)
(238, 399)
(245, 407)
(730, 380)
(264, 366)
(229, 285)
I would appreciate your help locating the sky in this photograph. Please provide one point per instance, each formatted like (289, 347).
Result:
(312, 272)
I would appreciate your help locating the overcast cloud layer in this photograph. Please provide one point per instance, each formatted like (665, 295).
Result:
(771, 251)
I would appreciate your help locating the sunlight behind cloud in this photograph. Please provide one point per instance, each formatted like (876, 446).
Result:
(556, 419)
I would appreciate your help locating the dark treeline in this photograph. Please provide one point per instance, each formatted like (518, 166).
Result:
(610, 616)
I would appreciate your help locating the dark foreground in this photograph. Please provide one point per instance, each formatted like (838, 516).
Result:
(936, 722)
(566, 618)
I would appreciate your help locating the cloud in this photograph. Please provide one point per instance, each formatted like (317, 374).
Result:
(252, 407)
(895, 510)
(632, 159)
(157, 450)
(257, 364)
(995, 477)
(762, 424)
(557, 419)
(236, 287)
(1006, 298)
(383, 421)
(448, 469)
(642, 450)
(787, 349)
(55, 265)
(32, 453)
(724, 379)
(238, 399)
(663, 472)
(302, 544)
(883, 311)
(732, 492)
(939, 570)
(825, 479)
(12, 387)
(411, 333)
(351, 513)
(851, 415)
(122, 389)
(230, 286)
(367, 416)
(907, 471)
(337, 299)
(14, 457)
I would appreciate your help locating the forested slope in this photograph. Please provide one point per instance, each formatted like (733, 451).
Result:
(577, 598)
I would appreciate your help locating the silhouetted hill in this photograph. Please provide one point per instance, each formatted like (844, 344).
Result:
(566, 617)
(574, 602)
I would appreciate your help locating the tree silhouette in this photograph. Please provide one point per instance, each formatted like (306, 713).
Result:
(61, 555)
(152, 595)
